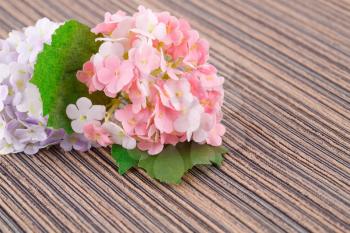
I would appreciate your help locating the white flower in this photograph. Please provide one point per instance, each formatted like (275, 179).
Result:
(111, 48)
(84, 113)
(32, 148)
(26, 51)
(6, 146)
(15, 37)
(9, 144)
(3, 95)
(35, 38)
(75, 141)
(147, 24)
(20, 75)
(32, 134)
(190, 119)
(108, 49)
(4, 72)
(2, 127)
(41, 32)
(207, 123)
(14, 97)
(31, 101)
(179, 92)
(7, 55)
(4, 49)
(122, 32)
(119, 136)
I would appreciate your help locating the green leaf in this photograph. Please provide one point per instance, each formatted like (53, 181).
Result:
(168, 166)
(172, 163)
(55, 72)
(124, 158)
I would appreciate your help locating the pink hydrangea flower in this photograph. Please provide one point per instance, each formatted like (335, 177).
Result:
(179, 93)
(95, 133)
(146, 58)
(208, 77)
(110, 23)
(137, 96)
(173, 33)
(88, 77)
(147, 24)
(114, 75)
(152, 147)
(215, 135)
(133, 123)
(164, 117)
(155, 69)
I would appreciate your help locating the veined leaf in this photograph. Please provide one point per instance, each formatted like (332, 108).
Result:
(172, 163)
(55, 71)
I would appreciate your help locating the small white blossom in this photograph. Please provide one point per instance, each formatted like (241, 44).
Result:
(2, 127)
(32, 134)
(179, 92)
(6, 146)
(15, 37)
(35, 38)
(31, 101)
(190, 119)
(32, 148)
(147, 24)
(7, 54)
(41, 32)
(20, 75)
(3, 95)
(4, 72)
(119, 136)
(206, 124)
(22, 128)
(84, 113)
(27, 52)
(75, 141)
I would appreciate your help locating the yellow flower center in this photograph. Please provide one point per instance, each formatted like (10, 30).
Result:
(21, 71)
(32, 109)
(82, 117)
(179, 94)
(132, 121)
(11, 92)
(20, 84)
(150, 27)
(73, 140)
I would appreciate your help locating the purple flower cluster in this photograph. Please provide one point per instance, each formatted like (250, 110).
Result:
(23, 128)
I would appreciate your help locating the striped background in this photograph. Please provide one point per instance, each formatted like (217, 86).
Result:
(287, 106)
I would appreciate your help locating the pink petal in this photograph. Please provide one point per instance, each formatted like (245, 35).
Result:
(124, 114)
(105, 76)
(156, 148)
(126, 74)
(112, 63)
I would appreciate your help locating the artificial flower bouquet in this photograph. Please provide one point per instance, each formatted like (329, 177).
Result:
(140, 84)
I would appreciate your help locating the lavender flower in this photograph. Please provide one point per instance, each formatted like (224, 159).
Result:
(3, 95)
(75, 141)
(23, 128)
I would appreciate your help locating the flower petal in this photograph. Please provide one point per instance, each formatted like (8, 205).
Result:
(97, 112)
(84, 104)
(72, 112)
(129, 143)
(78, 125)
(4, 72)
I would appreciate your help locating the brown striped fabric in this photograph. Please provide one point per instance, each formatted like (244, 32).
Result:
(287, 113)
